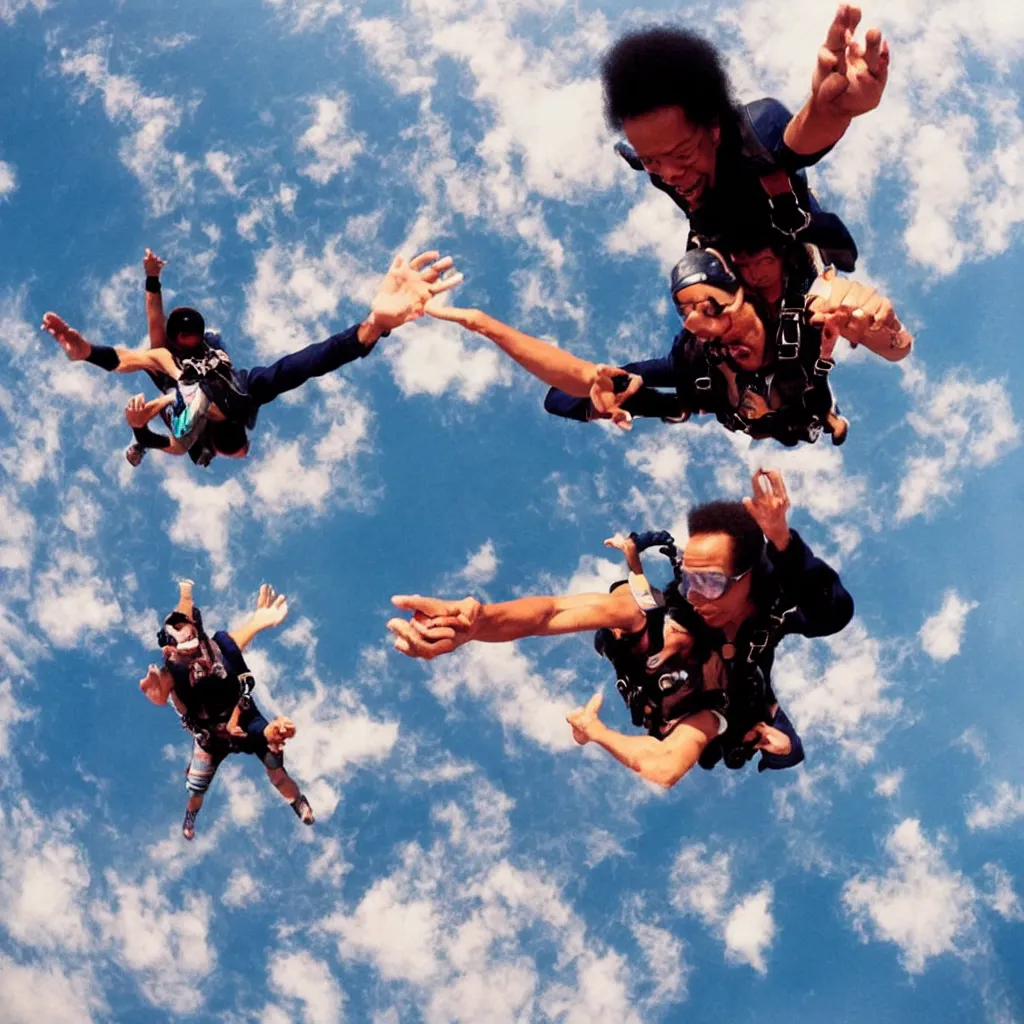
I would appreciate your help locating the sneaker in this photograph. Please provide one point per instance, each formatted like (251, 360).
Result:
(188, 826)
(134, 453)
(300, 805)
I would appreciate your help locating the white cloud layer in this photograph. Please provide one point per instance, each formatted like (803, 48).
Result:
(942, 633)
(921, 904)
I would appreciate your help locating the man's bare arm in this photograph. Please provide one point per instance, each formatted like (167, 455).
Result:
(271, 610)
(155, 319)
(438, 627)
(663, 762)
(553, 365)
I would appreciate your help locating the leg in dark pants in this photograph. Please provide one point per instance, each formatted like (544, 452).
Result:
(265, 383)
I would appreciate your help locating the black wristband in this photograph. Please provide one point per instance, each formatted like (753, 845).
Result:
(104, 357)
(150, 439)
(153, 284)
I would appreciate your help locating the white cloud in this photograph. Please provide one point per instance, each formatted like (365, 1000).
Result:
(328, 139)
(309, 982)
(655, 226)
(43, 881)
(167, 949)
(50, 992)
(430, 357)
(845, 701)
(262, 210)
(224, 167)
(482, 566)
(1006, 807)
(749, 930)
(466, 931)
(308, 14)
(664, 954)
(203, 521)
(242, 890)
(506, 680)
(920, 904)
(1002, 898)
(942, 633)
(948, 123)
(295, 297)
(71, 599)
(888, 784)
(8, 179)
(701, 887)
(10, 9)
(120, 296)
(961, 426)
(166, 176)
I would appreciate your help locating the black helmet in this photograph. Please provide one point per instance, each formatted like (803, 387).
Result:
(185, 320)
(701, 266)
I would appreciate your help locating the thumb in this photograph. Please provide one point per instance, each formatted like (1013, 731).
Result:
(595, 702)
(622, 419)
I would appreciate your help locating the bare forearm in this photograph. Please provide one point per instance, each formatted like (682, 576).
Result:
(155, 320)
(811, 130)
(554, 366)
(246, 633)
(645, 755)
(552, 616)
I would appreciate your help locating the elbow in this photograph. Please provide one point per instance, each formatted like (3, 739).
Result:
(661, 772)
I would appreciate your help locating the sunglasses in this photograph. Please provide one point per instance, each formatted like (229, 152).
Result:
(710, 585)
(708, 307)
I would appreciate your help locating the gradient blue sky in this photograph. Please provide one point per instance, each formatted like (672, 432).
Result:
(470, 863)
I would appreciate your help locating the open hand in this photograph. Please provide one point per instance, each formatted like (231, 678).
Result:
(277, 732)
(436, 627)
(584, 718)
(856, 311)
(152, 264)
(606, 401)
(770, 505)
(67, 337)
(408, 287)
(849, 79)
(271, 608)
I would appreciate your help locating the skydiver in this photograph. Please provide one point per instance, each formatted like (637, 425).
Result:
(733, 168)
(209, 684)
(746, 581)
(210, 405)
(761, 366)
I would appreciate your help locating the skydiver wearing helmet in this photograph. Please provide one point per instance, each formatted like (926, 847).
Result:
(746, 580)
(733, 168)
(208, 404)
(757, 357)
(209, 684)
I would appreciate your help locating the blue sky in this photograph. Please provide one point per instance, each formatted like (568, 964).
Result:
(469, 862)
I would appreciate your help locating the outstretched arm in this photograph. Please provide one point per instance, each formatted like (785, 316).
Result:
(123, 360)
(271, 610)
(438, 627)
(663, 762)
(848, 80)
(155, 319)
(607, 387)
(627, 545)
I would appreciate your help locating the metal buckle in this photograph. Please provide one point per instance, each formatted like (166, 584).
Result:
(702, 384)
(823, 367)
(787, 341)
(758, 642)
(789, 212)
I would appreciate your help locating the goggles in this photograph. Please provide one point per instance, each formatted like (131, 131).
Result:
(710, 585)
(710, 307)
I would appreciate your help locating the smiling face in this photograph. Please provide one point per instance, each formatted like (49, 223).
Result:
(713, 553)
(188, 341)
(682, 154)
(713, 314)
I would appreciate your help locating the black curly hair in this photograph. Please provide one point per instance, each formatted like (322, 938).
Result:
(732, 518)
(664, 66)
